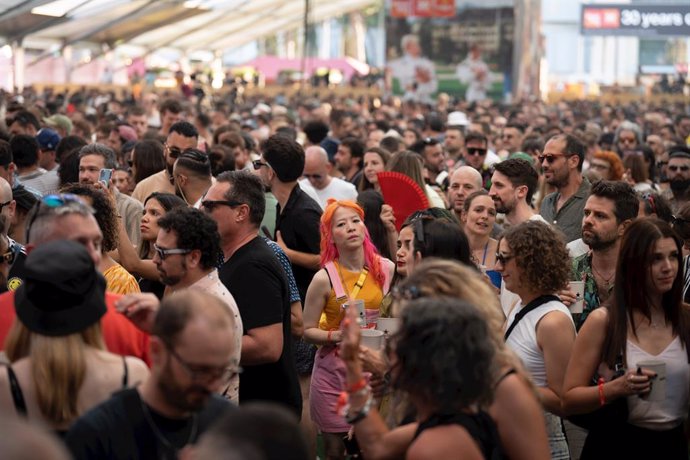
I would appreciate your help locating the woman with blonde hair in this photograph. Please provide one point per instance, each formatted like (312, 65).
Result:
(60, 368)
(351, 270)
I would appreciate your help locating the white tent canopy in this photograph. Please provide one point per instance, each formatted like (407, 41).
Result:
(212, 25)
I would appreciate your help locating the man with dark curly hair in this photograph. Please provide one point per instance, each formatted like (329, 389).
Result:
(186, 253)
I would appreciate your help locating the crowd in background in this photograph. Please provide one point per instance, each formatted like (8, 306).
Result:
(240, 252)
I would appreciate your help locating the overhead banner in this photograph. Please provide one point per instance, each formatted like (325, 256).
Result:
(636, 20)
(451, 47)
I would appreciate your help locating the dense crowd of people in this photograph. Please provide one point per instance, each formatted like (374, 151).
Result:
(238, 278)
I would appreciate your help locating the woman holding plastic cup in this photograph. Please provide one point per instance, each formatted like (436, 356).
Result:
(636, 350)
(353, 275)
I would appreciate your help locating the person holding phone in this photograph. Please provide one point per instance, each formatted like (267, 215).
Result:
(352, 269)
(646, 318)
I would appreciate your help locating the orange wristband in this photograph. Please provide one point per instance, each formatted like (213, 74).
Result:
(357, 386)
(602, 398)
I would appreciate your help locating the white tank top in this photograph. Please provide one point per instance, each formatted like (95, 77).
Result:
(523, 339)
(667, 414)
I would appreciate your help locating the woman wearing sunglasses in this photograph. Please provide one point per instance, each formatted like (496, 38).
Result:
(352, 270)
(532, 259)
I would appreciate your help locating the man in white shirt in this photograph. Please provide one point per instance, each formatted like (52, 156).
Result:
(416, 74)
(474, 72)
(317, 171)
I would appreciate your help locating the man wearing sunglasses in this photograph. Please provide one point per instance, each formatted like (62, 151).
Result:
(475, 155)
(317, 173)
(182, 136)
(678, 173)
(561, 163)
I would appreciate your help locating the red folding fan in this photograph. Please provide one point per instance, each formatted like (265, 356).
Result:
(403, 194)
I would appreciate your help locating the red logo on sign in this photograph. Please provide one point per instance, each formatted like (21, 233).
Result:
(604, 18)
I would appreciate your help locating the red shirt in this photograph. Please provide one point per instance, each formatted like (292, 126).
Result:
(120, 335)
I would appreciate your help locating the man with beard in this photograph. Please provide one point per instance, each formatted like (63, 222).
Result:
(186, 254)
(193, 351)
(182, 136)
(431, 151)
(611, 206)
(512, 186)
(678, 173)
(561, 163)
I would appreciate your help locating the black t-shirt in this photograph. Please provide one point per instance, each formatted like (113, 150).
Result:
(299, 226)
(258, 284)
(119, 429)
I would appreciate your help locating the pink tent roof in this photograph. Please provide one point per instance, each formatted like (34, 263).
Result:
(271, 66)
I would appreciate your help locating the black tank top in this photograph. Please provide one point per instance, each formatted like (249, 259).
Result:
(480, 426)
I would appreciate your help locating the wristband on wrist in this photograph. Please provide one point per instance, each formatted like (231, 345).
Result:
(602, 398)
(328, 337)
(362, 413)
(357, 386)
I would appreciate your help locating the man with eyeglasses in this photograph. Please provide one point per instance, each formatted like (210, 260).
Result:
(317, 173)
(561, 164)
(186, 255)
(193, 351)
(253, 275)
(182, 136)
(678, 174)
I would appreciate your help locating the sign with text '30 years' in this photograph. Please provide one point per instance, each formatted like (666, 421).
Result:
(637, 20)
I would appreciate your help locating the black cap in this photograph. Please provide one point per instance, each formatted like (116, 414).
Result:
(62, 292)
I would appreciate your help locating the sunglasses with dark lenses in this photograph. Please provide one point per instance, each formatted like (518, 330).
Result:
(210, 205)
(503, 259)
(313, 176)
(173, 151)
(258, 164)
(675, 168)
(476, 151)
(549, 158)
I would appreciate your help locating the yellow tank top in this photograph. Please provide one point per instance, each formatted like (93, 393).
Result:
(371, 293)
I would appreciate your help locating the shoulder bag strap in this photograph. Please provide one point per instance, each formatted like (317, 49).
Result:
(17, 394)
(336, 282)
(533, 305)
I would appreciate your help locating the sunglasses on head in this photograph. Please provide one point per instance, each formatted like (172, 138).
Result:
(476, 151)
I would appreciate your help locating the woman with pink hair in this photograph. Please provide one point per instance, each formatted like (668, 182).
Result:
(352, 270)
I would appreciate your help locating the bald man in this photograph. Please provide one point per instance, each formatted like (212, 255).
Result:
(463, 181)
(316, 173)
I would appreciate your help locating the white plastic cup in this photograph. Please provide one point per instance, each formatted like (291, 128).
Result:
(358, 304)
(371, 338)
(578, 287)
(658, 383)
(388, 325)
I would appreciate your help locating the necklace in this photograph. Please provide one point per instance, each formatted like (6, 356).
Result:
(160, 436)
(607, 281)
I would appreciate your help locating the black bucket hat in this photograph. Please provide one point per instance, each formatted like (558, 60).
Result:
(62, 292)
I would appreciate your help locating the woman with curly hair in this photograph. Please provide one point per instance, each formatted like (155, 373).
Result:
(119, 280)
(645, 320)
(515, 407)
(532, 259)
(447, 392)
(351, 269)
(607, 165)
